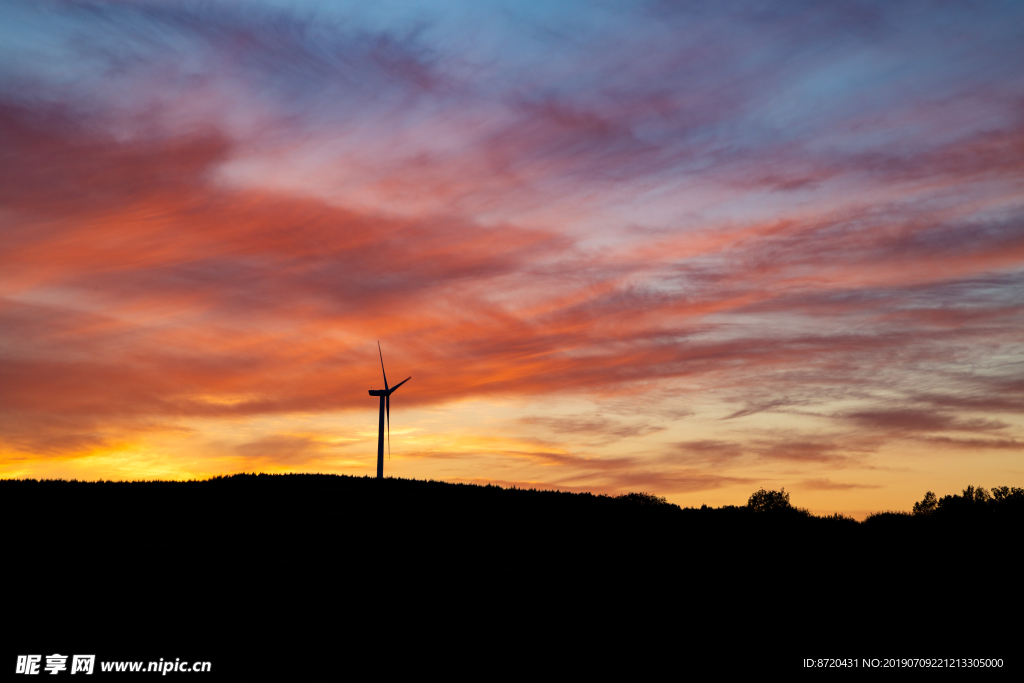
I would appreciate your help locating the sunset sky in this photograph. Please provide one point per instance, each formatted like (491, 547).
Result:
(691, 249)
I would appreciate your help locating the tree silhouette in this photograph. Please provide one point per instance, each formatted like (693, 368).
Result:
(973, 501)
(928, 504)
(977, 494)
(767, 501)
(1005, 494)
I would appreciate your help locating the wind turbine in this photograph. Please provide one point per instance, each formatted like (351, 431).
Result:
(385, 409)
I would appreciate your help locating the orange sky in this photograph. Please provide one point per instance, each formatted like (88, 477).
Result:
(697, 260)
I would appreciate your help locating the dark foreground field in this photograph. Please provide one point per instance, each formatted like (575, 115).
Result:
(321, 577)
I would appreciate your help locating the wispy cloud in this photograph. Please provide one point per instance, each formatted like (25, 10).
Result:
(598, 427)
(829, 485)
(917, 420)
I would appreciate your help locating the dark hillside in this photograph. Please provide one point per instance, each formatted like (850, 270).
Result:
(290, 566)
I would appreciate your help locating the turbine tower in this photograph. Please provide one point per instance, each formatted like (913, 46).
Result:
(385, 409)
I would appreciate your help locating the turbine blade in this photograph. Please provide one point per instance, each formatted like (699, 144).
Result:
(387, 409)
(392, 389)
(382, 367)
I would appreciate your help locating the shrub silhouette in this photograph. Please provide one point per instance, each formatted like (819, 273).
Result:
(768, 501)
(643, 499)
(839, 517)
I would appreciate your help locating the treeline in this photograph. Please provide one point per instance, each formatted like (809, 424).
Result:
(28, 501)
(972, 502)
(975, 504)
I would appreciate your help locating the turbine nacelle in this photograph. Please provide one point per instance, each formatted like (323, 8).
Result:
(388, 392)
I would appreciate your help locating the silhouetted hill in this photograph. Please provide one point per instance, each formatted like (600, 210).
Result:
(269, 574)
